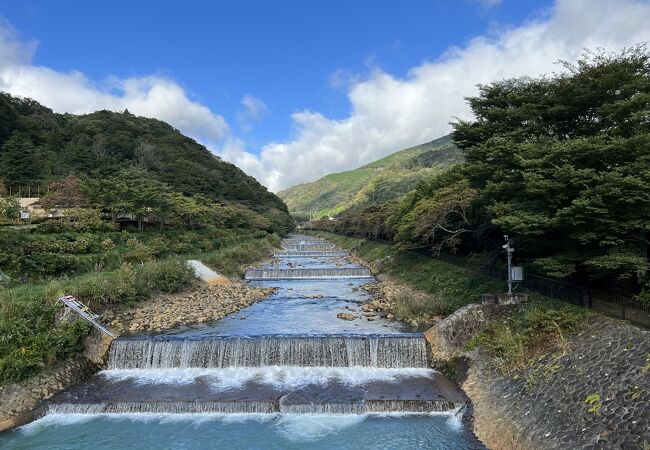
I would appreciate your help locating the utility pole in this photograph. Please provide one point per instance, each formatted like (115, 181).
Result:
(509, 250)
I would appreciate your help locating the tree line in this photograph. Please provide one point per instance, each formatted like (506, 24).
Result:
(137, 193)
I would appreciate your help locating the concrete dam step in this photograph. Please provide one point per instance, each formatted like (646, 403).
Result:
(305, 241)
(392, 351)
(311, 254)
(278, 274)
(314, 246)
(414, 394)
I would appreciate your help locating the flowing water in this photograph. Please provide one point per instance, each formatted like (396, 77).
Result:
(284, 373)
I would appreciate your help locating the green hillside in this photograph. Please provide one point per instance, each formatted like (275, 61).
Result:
(385, 179)
(38, 147)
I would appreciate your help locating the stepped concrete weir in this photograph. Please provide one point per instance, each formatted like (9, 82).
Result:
(311, 254)
(390, 350)
(308, 274)
(411, 394)
(306, 247)
(305, 241)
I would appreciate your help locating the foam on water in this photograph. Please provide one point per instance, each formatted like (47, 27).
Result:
(281, 377)
(311, 427)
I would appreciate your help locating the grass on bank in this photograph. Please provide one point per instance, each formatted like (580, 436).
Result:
(29, 339)
(451, 286)
(42, 256)
(526, 332)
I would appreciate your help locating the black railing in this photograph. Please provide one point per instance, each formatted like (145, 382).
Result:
(608, 303)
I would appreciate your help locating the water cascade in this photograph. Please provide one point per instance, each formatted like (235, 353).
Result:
(307, 274)
(302, 247)
(310, 254)
(389, 351)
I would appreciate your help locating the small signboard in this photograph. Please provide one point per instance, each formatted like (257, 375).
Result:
(24, 215)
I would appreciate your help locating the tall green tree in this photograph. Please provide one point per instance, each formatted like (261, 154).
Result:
(563, 162)
(18, 163)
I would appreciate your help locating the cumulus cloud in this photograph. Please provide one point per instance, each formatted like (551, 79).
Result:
(254, 110)
(150, 96)
(389, 113)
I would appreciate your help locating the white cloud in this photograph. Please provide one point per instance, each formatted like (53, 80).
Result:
(150, 96)
(254, 110)
(389, 113)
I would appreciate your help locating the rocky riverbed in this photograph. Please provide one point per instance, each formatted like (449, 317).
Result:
(388, 293)
(205, 304)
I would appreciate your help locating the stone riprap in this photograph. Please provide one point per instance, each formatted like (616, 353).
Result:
(19, 401)
(448, 337)
(594, 394)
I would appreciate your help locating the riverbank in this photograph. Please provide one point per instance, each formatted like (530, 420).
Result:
(204, 304)
(544, 375)
(20, 399)
(594, 393)
(288, 357)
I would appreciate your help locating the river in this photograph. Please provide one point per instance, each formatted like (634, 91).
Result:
(285, 373)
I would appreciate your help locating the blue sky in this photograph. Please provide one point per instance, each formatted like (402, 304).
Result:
(269, 84)
(282, 52)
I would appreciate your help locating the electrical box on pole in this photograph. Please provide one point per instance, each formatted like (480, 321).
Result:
(517, 273)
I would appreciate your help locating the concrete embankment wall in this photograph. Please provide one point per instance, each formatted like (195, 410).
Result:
(594, 393)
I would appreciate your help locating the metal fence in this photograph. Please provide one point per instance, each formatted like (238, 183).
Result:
(608, 303)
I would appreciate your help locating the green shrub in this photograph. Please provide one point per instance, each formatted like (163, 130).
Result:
(137, 252)
(537, 327)
(105, 288)
(29, 341)
(412, 307)
(158, 247)
(77, 220)
(165, 276)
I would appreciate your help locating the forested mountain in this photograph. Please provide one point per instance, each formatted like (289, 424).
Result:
(380, 181)
(38, 146)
